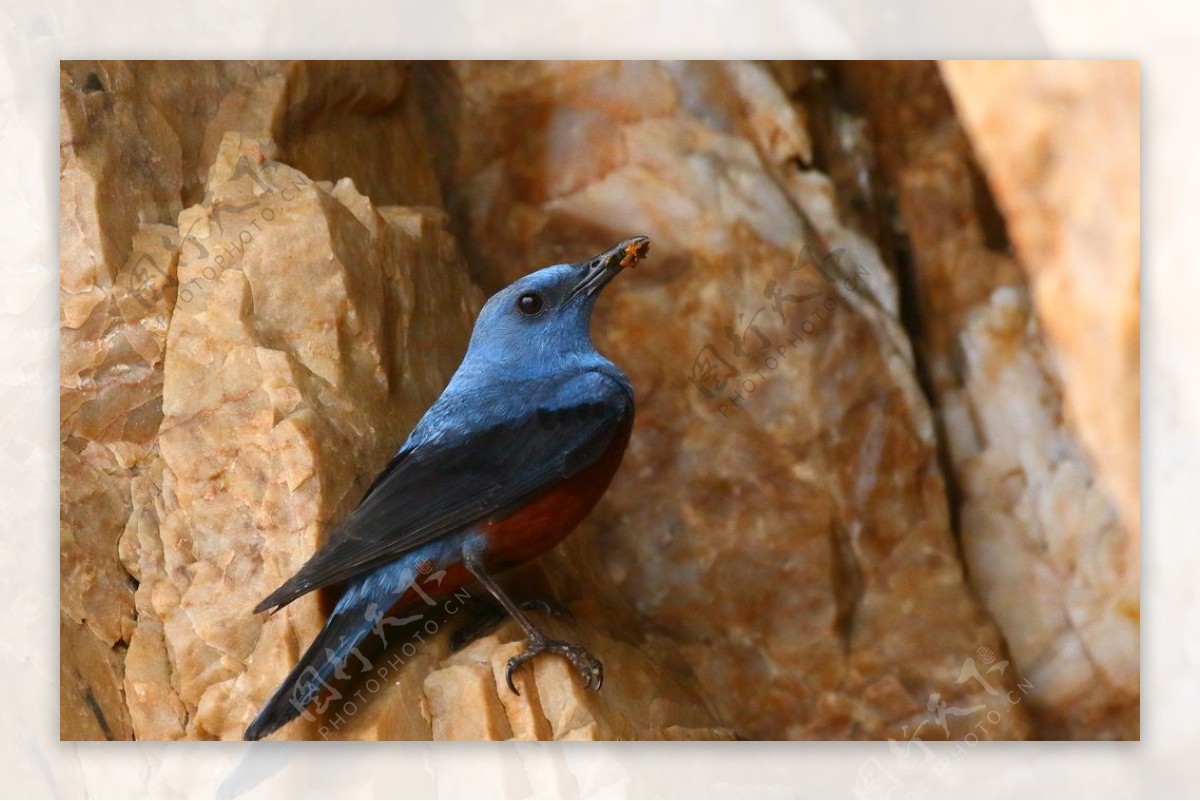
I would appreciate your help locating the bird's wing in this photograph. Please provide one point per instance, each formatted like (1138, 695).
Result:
(439, 488)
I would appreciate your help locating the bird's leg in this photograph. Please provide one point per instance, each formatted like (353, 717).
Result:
(488, 616)
(589, 667)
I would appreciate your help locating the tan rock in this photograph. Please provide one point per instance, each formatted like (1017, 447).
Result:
(162, 122)
(524, 711)
(1060, 143)
(138, 141)
(89, 687)
(282, 382)
(1040, 535)
(398, 710)
(466, 697)
(118, 265)
(151, 686)
(481, 716)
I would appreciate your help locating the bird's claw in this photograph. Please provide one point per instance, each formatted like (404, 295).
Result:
(590, 669)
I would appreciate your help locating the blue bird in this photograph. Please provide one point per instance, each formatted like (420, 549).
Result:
(516, 451)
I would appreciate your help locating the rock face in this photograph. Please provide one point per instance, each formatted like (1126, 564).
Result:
(271, 269)
(114, 314)
(1061, 146)
(1071, 200)
(290, 364)
(1048, 552)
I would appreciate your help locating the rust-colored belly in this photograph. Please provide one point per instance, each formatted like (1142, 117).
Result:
(543, 523)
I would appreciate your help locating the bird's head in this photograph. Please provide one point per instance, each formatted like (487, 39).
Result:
(541, 320)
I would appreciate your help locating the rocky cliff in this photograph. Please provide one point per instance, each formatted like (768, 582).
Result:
(863, 498)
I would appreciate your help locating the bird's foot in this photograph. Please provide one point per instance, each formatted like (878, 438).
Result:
(590, 669)
(490, 616)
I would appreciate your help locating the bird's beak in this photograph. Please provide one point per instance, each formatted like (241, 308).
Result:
(597, 272)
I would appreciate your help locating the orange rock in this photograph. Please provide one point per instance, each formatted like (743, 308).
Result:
(1061, 146)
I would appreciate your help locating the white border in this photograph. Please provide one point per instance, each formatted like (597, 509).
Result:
(34, 36)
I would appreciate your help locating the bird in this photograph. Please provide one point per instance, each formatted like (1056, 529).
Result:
(511, 457)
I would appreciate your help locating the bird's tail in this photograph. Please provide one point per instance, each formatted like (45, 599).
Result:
(360, 609)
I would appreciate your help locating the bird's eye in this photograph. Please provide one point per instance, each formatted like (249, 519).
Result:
(530, 304)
